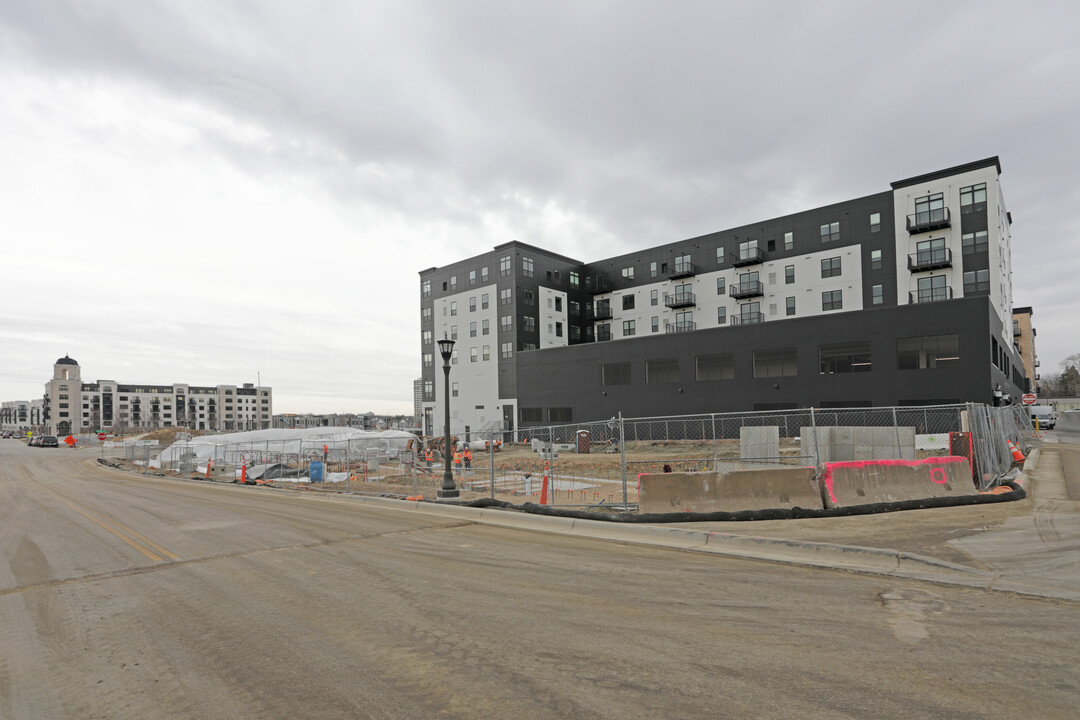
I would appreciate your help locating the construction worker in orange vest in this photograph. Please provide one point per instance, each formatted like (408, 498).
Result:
(429, 457)
(468, 458)
(457, 460)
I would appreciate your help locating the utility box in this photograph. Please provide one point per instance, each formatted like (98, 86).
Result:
(315, 471)
(584, 442)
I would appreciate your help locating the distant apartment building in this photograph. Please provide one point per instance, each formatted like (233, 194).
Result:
(21, 415)
(73, 406)
(418, 400)
(1024, 339)
(901, 297)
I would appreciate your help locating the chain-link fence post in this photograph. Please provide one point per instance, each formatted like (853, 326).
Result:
(896, 428)
(622, 458)
(817, 449)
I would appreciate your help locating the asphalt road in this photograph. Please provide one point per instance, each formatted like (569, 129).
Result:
(130, 597)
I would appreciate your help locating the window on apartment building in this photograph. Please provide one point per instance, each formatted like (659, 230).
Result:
(832, 300)
(930, 209)
(655, 323)
(830, 232)
(453, 332)
(453, 357)
(454, 389)
(575, 308)
(484, 301)
(628, 328)
(617, 373)
(715, 367)
(486, 352)
(575, 332)
(483, 274)
(974, 242)
(506, 350)
(789, 241)
(472, 304)
(558, 304)
(973, 198)
(720, 253)
(429, 390)
(780, 362)
(472, 354)
(560, 415)
(485, 327)
(425, 288)
(877, 295)
(875, 222)
(575, 279)
(789, 274)
(654, 297)
(506, 323)
(721, 315)
(628, 273)
(844, 358)
(528, 297)
(748, 249)
(721, 286)
(662, 371)
(453, 308)
(558, 329)
(929, 251)
(427, 360)
(531, 415)
(504, 266)
(528, 323)
(830, 267)
(928, 352)
(789, 306)
(425, 314)
(453, 282)
(603, 332)
(976, 281)
(472, 329)
(527, 266)
(875, 259)
(628, 302)
(472, 278)
(425, 337)
(652, 269)
(506, 296)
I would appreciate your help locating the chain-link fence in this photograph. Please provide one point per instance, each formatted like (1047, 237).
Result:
(596, 464)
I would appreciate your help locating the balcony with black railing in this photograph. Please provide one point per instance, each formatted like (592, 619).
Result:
(680, 299)
(747, 318)
(934, 259)
(747, 256)
(750, 288)
(598, 284)
(602, 311)
(603, 333)
(926, 220)
(930, 295)
(683, 269)
(682, 326)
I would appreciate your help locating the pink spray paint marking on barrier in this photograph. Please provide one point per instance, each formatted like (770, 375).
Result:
(935, 472)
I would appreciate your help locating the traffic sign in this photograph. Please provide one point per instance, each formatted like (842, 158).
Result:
(101, 436)
(1029, 398)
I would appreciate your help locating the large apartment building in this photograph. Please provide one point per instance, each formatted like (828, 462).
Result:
(20, 415)
(73, 406)
(902, 297)
(1024, 338)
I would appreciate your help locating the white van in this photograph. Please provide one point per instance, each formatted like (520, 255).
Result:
(1044, 414)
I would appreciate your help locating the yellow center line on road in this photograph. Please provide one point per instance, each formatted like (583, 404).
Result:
(135, 539)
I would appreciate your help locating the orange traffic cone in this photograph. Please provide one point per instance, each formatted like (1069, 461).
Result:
(209, 464)
(1017, 455)
(243, 472)
(544, 487)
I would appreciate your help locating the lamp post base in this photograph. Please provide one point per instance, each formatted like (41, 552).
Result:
(448, 494)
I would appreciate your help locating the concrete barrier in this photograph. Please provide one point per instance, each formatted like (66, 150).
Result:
(865, 482)
(730, 492)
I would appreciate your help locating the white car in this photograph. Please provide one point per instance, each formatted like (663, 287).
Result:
(1045, 415)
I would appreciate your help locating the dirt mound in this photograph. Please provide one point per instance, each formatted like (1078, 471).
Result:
(167, 436)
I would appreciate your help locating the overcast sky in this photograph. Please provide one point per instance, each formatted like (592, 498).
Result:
(210, 191)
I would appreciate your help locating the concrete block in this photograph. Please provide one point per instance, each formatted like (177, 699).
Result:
(759, 442)
(729, 492)
(873, 481)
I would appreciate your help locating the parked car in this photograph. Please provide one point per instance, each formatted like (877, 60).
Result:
(35, 441)
(1044, 414)
(49, 441)
(5, 435)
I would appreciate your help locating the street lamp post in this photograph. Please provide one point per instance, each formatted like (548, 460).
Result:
(449, 489)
